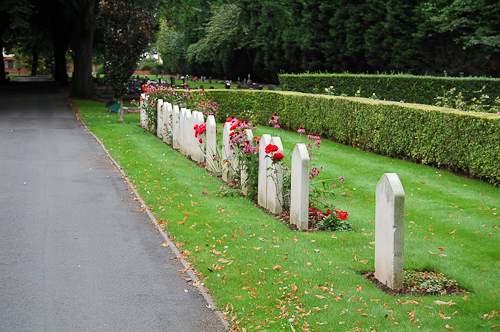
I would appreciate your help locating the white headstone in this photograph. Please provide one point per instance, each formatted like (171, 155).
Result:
(245, 186)
(199, 148)
(389, 231)
(194, 140)
(227, 153)
(176, 128)
(144, 115)
(263, 165)
(167, 119)
(159, 114)
(211, 141)
(188, 134)
(182, 125)
(299, 196)
(275, 181)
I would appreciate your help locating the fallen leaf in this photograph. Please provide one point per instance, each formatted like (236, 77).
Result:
(441, 314)
(257, 248)
(165, 244)
(295, 288)
(495, 327)
(449, 327)
(449, 303)
(364, 261)
(320, 296)
(277, 267)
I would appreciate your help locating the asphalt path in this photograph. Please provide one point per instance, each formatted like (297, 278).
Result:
(76, 252)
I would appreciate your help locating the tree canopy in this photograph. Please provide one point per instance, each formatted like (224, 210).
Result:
(263, 38)
(127, 28)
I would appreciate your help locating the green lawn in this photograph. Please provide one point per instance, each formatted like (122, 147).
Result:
(267, 277)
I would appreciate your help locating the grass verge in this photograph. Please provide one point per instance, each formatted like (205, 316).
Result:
(269, 278)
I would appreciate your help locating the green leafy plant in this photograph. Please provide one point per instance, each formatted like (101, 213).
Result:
(427, 281)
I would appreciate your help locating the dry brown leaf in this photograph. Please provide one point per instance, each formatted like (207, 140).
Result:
(449, 327)
(441, 314)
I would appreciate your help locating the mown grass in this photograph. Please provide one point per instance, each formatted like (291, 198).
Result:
(268, 277)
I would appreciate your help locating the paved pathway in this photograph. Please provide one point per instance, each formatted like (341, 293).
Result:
(76, 253)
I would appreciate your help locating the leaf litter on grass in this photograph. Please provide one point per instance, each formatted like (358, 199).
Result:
(298, 284)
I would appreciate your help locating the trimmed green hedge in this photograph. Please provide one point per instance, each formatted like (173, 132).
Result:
(409, 88)
(465, 142)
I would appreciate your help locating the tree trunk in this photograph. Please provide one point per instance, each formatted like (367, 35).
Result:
(82, 84)
(60, 71)
(120, 112)
(34, 64)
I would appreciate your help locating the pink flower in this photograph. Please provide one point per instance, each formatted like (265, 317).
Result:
(301, 130)
(334, 185)
(341, 178)
(344, 194)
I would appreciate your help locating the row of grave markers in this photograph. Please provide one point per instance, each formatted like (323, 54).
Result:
(178, 125)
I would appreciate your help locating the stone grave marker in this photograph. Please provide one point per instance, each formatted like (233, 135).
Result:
(167, 119)
(200, 146)
(389, 231)
(227, 154)
(192, 137)
(188, 134)
(182, 131)
(299, 196)
(211, 141)
(264, 163)
(160, 123)
(144, 115)
(275, 181)
(176, 128)
(271, 87)
(245, 187)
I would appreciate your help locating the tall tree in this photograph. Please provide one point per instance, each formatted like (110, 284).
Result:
(127, 27)
(84, 13)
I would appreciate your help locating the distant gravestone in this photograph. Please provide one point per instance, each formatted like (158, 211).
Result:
(264, 163)
(167, 119)
(246, 188)
(172, 81)
(200, 146)
(299, 196)
(275, 181)
(192, 137)
(271, 87)
(211, 141)
(143, 115)
(188, 134)
(227, 153)
(182, 131)
(389, 231)
(160, 123)
(175, 127)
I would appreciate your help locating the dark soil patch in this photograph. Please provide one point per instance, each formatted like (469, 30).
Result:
(314, 219)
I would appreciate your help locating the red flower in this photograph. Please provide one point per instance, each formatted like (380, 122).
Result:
(271, 148)
(201, 140)
(278, 156)
(343, 215)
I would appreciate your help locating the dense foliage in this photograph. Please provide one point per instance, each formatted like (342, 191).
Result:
(264, 38)
(407, 88)
(464, 142)
(127, 28)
